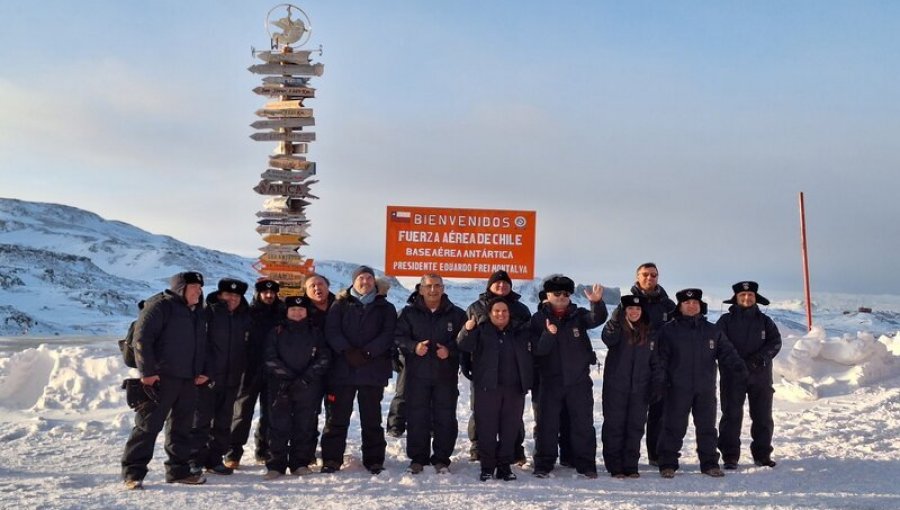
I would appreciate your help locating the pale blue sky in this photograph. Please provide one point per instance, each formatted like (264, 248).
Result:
(678, 132)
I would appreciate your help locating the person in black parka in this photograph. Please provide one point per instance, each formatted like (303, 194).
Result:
(499, 284)
(297, 358)
(758, 341)
(502, 372)
(659, 310)
(228, 329)
(564, 355)
(689, 348)
(426, 335)
(266, 311)
(360, 330)
(632, 378)
(170, 351)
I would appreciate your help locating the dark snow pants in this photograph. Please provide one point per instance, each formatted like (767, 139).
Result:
(253, 389)
(177, 400)
(212, 424)
(431, 418)
(624, 417)
(339, 405)
(396, 419)
(578, 399)
(498, 417)
(680, 404)
(654, 427)
(733, 390)
(293, 427)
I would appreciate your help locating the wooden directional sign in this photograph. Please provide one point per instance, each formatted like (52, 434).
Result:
(294, 57)
(285, 190)
(287, 104)
(287, 175)
(289, 81)
(291, 162)
(276, 90)
(284, 123)
(280, 248)
(284, 239)
(294, 230)
(281, 258)
(285, 204)
(288, 69)
(284, 112)
(283, 221)
(275, 136)
(278, 215)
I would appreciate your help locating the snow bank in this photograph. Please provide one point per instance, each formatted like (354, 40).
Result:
(814, 365)
(74, 379)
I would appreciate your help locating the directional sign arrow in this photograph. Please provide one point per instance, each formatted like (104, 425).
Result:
(291, 162)
(293, 122)
(275, 90)
(287, 175)
(290, 81)
(280, 113)
(288, 69)
(275, 136)
(295, 57)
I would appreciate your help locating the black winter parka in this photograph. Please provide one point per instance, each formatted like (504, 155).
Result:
(751, 332)
(483, 343)
(228, 336)
(417, 323)
(568, 354)
(630, 367)
(170, 338)
(689, 348)
(297, 351)
(350, 324)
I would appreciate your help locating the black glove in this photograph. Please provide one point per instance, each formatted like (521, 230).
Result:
(355, 357)
(757, 361)
(593, 357)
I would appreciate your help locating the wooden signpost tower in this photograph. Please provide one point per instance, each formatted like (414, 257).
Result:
(287, 179)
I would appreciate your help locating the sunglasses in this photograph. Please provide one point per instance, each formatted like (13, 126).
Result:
(559, 293)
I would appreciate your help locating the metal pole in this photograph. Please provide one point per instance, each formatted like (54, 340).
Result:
(805, 263)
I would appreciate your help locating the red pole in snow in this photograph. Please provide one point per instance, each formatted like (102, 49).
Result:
(805, 263)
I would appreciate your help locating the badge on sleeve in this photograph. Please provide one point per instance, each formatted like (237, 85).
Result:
(712, 344)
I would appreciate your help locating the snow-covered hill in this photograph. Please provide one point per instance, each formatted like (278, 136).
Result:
(64, 270)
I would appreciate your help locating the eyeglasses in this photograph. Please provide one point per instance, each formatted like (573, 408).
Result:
(650, 275)
(560, 293)
(432, 286)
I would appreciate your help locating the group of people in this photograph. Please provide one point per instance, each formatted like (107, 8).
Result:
(207, 367)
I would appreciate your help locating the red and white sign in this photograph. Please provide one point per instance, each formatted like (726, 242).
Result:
(461, 243)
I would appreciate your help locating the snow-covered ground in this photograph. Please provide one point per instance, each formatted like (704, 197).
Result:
(63, 423)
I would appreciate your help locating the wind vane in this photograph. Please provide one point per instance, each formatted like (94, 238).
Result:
(286, 182)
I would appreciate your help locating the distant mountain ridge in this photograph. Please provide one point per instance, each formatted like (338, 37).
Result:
(64, 270)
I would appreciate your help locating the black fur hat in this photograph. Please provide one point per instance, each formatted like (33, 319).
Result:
(232, 285)
(296, 301)
(746, 286)
(264, 284)
(557, 283)
(687, 294)
(631, 300)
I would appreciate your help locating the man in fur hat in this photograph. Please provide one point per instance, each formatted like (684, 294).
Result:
(690, 347)
(266, 310)
(170, 350)
(564, 355)
(757, 340)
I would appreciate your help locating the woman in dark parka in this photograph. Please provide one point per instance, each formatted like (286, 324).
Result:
(632, 378)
